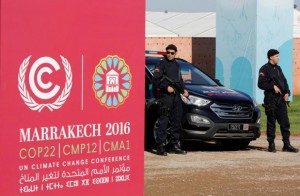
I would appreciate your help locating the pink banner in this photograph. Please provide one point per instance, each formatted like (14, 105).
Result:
(72, 97)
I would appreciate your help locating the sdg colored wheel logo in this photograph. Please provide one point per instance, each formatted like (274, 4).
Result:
(112, 81)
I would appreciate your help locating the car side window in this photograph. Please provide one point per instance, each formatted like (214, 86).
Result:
(192, 75)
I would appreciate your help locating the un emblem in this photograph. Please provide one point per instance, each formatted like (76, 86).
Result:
(41, 90)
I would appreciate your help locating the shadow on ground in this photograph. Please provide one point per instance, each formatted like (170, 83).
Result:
(194, 146)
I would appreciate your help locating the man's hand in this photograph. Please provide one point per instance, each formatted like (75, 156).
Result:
(170, 89)
(286, 97)
(276, 89)
(186, 93)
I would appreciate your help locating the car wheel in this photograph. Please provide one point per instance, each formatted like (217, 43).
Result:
(149, 139)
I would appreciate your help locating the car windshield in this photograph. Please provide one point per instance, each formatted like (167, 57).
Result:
(193, 75)
(190, 74)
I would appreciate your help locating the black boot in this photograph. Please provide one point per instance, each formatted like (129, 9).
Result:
(287, 147)
(161, 150)
(175, 149)
(271, 147)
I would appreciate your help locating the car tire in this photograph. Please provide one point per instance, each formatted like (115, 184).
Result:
(149, 135)
(149, 141)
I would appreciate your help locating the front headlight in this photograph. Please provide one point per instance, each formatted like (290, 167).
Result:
(193, 100)
(258, 121)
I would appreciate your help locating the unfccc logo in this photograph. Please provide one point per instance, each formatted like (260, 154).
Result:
(44, 91)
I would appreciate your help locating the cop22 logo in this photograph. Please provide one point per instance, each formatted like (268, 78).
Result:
(41, 90)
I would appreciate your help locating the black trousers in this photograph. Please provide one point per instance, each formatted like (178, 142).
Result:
(169, 120)
(281, 115)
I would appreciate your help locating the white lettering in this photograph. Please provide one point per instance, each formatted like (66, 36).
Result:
(58, 133)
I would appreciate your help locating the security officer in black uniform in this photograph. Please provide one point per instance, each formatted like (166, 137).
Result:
(166, 74)
(276, 90)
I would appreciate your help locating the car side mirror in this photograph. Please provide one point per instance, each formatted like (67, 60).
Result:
(218, 82)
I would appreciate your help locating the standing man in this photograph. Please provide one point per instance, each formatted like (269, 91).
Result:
(166, 74)
(276, 90)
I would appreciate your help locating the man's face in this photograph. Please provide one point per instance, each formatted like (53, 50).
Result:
(171, 54)
(274, 59)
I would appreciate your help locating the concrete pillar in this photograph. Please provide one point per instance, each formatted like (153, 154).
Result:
(246, 30)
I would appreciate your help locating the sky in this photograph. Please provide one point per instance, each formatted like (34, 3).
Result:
(186, 5)
(181, 5)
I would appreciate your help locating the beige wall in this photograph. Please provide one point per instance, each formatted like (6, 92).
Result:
(202, 51)
(199, 51)
(296, 67)
(160, 43)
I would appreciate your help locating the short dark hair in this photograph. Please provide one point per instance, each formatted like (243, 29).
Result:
(272, 52)
(171, 47)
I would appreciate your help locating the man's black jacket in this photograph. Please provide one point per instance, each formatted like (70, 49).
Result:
(270, 75)
(171, 69)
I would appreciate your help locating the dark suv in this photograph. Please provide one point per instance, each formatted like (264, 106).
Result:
(212, 112)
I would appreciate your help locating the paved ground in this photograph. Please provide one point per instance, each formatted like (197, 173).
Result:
(209, 170)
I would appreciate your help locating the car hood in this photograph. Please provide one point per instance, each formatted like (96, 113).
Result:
(218, 93)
